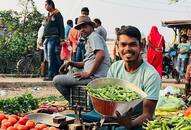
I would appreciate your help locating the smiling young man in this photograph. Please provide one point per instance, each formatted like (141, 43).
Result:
(95, 64)
(134, 69)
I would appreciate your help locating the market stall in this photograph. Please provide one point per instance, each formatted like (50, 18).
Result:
(179, 27)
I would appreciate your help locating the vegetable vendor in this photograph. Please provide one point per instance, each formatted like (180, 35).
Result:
(134, 69)
(95, 65)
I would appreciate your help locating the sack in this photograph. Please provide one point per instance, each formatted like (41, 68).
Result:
(66, 50)
(40, 37)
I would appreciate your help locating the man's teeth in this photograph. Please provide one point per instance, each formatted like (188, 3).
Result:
(128, 54)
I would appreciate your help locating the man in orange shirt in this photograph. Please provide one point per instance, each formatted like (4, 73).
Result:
(73, 38)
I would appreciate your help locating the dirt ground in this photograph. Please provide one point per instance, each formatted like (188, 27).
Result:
(42, 91)
(10, 87)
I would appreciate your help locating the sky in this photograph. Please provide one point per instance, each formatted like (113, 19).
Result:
(114, 13)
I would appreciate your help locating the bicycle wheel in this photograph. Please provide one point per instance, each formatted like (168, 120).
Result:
(23, 66)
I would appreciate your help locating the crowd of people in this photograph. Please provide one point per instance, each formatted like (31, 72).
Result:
(77, 54)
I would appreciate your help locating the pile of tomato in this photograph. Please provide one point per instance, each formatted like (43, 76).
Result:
(14, 122)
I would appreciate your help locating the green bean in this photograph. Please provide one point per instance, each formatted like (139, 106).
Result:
(113, 92)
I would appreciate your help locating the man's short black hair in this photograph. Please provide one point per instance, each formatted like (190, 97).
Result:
(96, 20)
(69, 22)
(130, 31)
(85, 9)
(51, 3)
(184, 36)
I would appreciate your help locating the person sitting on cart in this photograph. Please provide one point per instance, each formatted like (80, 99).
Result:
(134, 69)
(96, 63)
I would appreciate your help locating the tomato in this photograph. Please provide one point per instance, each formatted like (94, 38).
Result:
(12, 128)
(46, 128)
(2, 116)
(52, 128)
(3, 121)
(23, 120)
(15, 116)
(15, 125)
(13, 120)
(22, 127)
(5, 125)
(40, 126)
(30, 124)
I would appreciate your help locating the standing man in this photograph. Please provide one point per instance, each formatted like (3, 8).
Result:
(54, 36)
(68, 27)
(95, 64)
(73, 38)
(134, 69)
(100, 29)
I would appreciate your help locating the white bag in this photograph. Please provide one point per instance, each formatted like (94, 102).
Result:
(40, 37)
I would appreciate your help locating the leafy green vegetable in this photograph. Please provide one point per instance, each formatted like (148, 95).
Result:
(19, 104)
(24, 103)
(113, 92)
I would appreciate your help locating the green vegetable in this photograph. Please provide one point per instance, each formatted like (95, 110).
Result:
(169, 104)
(113, 92)
(20, 104)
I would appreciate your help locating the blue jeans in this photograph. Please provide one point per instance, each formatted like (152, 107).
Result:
(52, 55)
(181, 66)
(80, 52)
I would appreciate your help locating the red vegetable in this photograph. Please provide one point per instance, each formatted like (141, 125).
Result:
(23, 120)
(187, 112)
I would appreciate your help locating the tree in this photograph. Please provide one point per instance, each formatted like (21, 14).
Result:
(19, 32)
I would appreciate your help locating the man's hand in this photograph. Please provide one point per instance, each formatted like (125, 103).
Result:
(64, 67)
(82, 75)
(188, 73)
(125, 120)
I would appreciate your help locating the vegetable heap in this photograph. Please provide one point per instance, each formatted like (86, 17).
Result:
(175, 123)
(113, 92)
(14, 122)
(169, 104)
(24, 103)
(19, 104)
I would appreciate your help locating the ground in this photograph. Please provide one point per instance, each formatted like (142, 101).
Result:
(10, 87)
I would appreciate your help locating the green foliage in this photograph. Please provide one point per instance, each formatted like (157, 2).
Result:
(19, 104)
(19, 32)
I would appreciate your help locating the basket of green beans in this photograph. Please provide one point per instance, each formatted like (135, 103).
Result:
(109, 95)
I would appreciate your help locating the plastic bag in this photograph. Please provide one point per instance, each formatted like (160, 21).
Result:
(66, 49)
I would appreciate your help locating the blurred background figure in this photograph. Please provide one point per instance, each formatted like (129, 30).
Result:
(85, 11)
(183, 56)
(80, 52)
(100, 29)
(116, 56)
(73, 38)
(68, 27)
(156, 46)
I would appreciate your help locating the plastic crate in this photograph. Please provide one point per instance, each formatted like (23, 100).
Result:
(78, 96)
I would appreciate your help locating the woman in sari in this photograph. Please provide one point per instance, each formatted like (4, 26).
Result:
(156, 46)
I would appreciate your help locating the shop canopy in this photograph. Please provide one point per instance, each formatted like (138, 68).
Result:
(177, 24)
